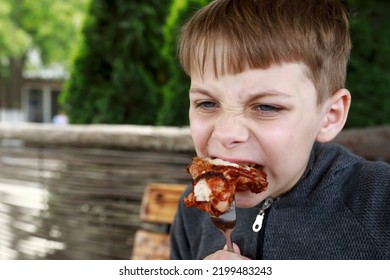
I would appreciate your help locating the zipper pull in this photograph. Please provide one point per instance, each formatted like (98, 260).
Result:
(257, 225)
(259, 222)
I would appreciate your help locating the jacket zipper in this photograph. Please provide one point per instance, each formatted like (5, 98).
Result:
(257, 225)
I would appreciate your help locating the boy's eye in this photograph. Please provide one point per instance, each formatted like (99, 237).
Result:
(268, 109)
(206, 105)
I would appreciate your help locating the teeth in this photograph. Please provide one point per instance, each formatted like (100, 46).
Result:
(221, 162)
(218, 161)
(250, 165)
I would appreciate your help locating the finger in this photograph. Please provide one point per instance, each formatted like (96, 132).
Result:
(225, 255)
(236, 249)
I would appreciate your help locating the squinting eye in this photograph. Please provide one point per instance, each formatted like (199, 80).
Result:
(206, 105)
(268, 110)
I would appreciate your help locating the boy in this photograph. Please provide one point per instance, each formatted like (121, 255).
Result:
(267, 87)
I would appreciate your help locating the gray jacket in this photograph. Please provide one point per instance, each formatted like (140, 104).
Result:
(340, 209)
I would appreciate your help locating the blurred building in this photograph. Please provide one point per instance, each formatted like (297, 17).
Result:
(39, 99)
(35, 98)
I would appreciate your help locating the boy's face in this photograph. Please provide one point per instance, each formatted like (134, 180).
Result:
(268, 117)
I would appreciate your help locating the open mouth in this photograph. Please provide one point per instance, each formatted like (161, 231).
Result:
(245, 164)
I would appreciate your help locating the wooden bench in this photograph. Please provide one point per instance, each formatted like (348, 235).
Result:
(159, 204)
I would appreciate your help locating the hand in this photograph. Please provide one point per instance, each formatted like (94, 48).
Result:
(226, 255)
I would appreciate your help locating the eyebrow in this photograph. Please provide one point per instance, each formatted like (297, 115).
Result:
(251, 95)
(258, 94)
(199, 90)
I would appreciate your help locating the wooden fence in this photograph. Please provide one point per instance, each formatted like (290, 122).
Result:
(74, 192)
(78, 201)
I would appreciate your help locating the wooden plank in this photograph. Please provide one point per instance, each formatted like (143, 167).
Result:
(150, 246)
(90, 199)
(159, 202)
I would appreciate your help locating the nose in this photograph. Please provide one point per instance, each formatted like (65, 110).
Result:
(230, 131)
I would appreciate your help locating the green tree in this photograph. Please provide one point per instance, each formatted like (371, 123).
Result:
(49, 26)
(369, 67)
(126, 69)
(118, 71)
(175, 92)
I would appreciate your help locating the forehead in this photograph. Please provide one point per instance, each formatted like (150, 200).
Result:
(275, 75)
(286, 81)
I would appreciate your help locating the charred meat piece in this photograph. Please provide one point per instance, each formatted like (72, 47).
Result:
(216, 181)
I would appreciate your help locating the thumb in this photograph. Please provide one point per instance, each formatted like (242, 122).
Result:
(236, 249)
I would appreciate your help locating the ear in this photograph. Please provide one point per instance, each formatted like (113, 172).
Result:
(335, 115)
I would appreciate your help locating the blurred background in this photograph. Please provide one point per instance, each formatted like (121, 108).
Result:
(91, 62)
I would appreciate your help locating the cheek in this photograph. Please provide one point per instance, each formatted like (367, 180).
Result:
(286, 153)
(293, 148)
(200, 133)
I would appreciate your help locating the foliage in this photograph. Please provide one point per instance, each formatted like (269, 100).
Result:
(175, 92)
(14, 41)
(369, 67)
(126, 70)
(118, 70)
(47, 25)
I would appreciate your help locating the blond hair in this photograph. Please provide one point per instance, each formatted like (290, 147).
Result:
(238, 34)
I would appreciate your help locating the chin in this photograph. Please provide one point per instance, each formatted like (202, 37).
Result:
(248, 199)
